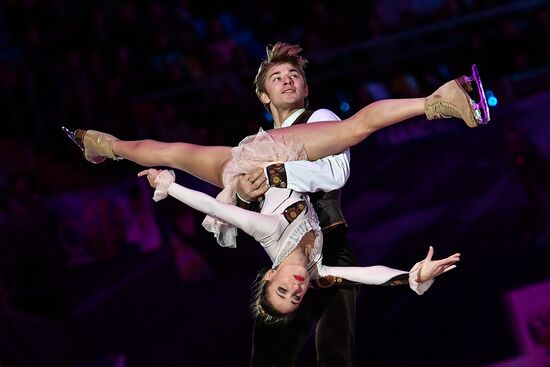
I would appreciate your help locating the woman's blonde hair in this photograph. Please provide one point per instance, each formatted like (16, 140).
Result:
(260, 306)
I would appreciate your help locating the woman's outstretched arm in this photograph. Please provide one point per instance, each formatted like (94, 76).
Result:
(255, 224)
(420, 277)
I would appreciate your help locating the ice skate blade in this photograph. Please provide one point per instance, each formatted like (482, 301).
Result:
(71, 135)
(484, 107)
(481, 109)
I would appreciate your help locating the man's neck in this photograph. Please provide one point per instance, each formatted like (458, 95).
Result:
(280, 115)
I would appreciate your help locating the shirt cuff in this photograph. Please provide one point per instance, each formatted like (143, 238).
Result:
(248, 205)
(241, 199)
(276, 175)
(163, 181)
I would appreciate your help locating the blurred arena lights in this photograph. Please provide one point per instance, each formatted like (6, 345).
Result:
(268, 116)
(492, 100)
(344, 106)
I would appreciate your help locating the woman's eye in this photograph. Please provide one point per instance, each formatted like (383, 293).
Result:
(282, 290)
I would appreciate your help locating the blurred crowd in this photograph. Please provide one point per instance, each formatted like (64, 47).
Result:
(178, 67)
(183, 70)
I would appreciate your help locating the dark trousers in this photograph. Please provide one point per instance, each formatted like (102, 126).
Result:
(332, 308)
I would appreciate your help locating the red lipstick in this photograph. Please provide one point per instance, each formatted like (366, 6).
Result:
(299, 278)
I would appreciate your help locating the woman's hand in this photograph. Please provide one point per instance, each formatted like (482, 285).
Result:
(151, 176)
(432, 268)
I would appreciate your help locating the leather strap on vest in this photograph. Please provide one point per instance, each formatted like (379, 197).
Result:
(326, 204)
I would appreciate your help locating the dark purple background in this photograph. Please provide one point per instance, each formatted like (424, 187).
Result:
(78, 289)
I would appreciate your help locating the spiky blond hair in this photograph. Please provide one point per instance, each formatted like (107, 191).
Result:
(279, 53)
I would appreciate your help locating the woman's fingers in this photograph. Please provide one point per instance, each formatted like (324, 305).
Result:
(446, 269)
(151, 174)
(453, 259)
(149, 171)
(143, 173)
(430, 254)
(432, 268)
(445, 263)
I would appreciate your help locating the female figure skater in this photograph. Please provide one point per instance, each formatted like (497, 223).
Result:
(288, 230)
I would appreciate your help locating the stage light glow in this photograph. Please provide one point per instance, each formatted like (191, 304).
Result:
(492, 100)
(268, 116)
(344, 106)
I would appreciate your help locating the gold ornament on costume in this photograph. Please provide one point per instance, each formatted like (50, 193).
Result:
(294, 210)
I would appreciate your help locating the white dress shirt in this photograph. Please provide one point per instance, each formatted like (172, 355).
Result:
(326, 174)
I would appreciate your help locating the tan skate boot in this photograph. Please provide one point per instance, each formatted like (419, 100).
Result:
(96, 146)
(452, 100)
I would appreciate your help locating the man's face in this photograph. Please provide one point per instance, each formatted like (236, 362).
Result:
(286, 88)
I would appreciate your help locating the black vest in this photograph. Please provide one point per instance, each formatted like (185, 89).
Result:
(326, 204)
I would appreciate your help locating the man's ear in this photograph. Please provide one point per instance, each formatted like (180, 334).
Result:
(264, 98)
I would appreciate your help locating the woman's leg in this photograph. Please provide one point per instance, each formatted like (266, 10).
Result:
(322, 139)
(203, 162)
(450, 100)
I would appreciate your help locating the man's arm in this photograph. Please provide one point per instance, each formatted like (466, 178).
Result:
(326, 174)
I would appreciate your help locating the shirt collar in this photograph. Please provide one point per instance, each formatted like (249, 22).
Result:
(290, 119)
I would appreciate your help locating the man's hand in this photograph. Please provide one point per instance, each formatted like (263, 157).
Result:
(430, 269)
(251, 186)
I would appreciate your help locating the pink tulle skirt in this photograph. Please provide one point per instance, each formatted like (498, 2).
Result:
(252, 152)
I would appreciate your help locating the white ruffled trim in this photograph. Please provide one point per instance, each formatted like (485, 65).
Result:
(163, 181)
(225, 233)
(296, 235)
(419, 288)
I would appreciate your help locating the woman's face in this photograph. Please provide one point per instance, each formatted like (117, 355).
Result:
(288, 285)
